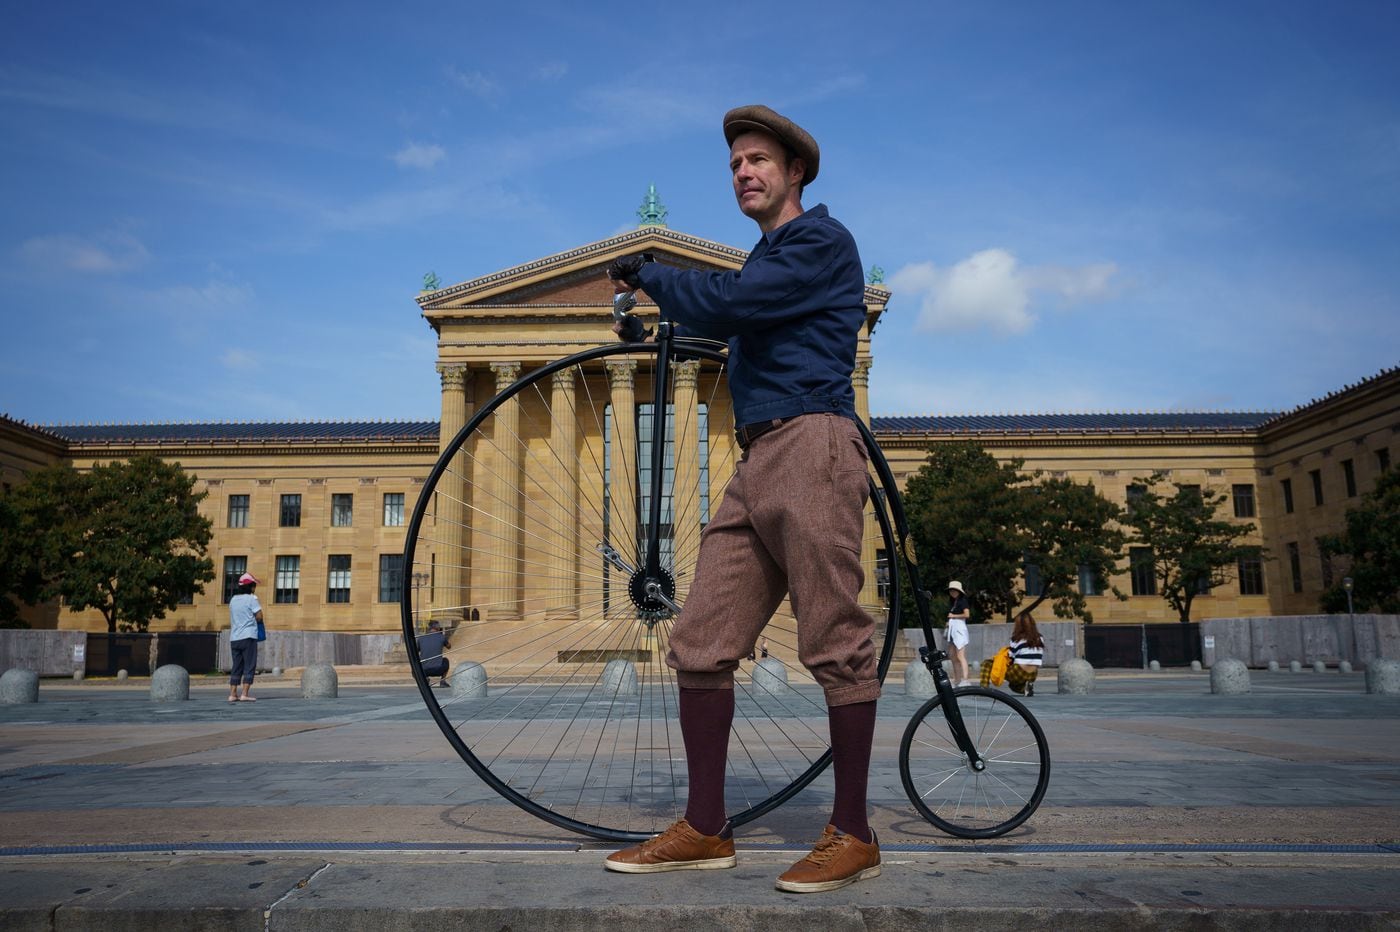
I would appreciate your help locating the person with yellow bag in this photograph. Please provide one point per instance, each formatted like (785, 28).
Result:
(1019, 662)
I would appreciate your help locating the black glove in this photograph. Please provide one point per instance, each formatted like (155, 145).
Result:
(625, 269)
(633, 330)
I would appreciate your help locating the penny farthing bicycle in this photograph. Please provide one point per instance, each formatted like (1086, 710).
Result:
(560, 529)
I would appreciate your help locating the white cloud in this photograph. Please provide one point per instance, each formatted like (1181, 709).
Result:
(551, 71)
(475, 83)
(415, 155)
(991, 290)
(102, 253)
(239, 359)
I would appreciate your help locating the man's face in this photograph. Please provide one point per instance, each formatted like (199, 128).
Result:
(764, 180)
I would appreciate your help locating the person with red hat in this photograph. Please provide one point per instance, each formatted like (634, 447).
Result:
(245, 615)
(792, 518)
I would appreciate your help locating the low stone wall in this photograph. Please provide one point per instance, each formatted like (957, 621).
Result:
(47, 653)
(302, 648)
(1357, 639)
(983, 641)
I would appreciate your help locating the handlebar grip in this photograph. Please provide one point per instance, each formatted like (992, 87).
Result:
(633, 330)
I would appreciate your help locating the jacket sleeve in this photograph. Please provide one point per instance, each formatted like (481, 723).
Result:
(780, 285)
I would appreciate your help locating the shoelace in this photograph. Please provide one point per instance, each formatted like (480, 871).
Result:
(826, 849)
(664, 837)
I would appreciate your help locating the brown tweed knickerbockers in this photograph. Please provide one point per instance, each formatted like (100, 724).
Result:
(791, 523)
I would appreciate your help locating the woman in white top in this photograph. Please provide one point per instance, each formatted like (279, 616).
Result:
(1027, 650)
(244, 611)
(957, 632)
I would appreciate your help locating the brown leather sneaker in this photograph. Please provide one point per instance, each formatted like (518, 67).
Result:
(679, 848)
(837, 860)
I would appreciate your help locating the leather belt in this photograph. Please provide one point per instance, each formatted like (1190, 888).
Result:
(751, 432)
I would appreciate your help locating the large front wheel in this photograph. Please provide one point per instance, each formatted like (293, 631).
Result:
(947, 787)
(528, 545)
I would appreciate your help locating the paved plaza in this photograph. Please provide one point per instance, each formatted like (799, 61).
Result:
(1168, 807)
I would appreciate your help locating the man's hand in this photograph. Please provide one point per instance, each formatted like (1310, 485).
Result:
(631, 330)
(625, 269)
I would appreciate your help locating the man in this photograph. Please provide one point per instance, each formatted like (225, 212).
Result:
(431, 647)
(792, 518)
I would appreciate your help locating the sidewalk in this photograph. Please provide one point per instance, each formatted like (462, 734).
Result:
(1168, 807)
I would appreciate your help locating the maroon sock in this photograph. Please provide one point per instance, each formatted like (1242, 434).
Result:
(706, 715)
(852, 733)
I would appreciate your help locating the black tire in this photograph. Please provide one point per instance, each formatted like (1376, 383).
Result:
(957, 799)
(519, 496)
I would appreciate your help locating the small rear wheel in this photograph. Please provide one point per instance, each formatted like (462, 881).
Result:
(949, 791)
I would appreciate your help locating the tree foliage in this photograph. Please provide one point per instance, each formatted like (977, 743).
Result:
(125, 538)
(977, 520)
(1192, 547)
(1372, 542)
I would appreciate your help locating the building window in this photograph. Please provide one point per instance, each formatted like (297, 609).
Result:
(234, 567)
(1034, 584)
(1135, 494)
(390, 577)
(186, 598)
(1316, 475)
(342, 509)
(1251, 576)
(290, 513)
(1140, 564)
(1244, 501)
(238, 511)
(338, 577)
(1202, 585)
(882, 574)
(1287, 496)
(1349, 474)
(1089, 581)
(1295, 566)
(393, 509)
(1383, 459)
(1325, 559)
(287, 585)
(668, 532)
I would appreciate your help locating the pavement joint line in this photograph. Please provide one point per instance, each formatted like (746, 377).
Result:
(299, 885)
(580, 846)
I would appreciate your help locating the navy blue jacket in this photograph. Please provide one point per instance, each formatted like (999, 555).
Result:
(791, 317)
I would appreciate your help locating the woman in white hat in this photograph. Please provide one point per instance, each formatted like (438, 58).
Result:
(957, 633)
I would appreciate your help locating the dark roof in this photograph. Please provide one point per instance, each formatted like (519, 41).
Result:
(249, 431)
(1042, 423)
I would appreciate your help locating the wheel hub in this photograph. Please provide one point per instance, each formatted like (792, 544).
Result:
(649, 608)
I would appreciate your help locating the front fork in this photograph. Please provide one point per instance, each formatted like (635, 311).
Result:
(933, 659)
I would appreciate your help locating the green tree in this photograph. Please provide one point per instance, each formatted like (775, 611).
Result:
(1192, 548)
(1067, 527)
(1372, 542)
(125, 538)
(33, 517)
(963, 509)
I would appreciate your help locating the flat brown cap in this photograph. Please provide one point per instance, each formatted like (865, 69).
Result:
(741, 120)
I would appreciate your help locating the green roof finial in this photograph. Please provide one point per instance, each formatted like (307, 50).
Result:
(876, 276)
(652, 213)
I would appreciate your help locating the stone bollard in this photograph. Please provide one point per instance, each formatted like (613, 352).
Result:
(1295, 667)
(469, 681)
(1273, 666)
(79, 675)
(918, 680)
(1319, 666)
(1075, 676)
(619, 678)
(170, 683)
(1195, 666)
(1154, 666)
(276, 671)
(18, 686)
(319, 681)
(769, 676)
(123, 676)
(1229, 677)
(1344, 666)
(1382, 677)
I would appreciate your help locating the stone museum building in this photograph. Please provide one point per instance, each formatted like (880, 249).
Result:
(318, 511)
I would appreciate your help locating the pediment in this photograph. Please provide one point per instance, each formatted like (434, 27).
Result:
(575, 278)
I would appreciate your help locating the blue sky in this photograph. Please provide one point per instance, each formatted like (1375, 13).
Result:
(225, 211)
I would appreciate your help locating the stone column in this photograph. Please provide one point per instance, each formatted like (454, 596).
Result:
(561, 500)
(870, 591)
(685, 498)
(622, 508)
(501, 596)
(449, 511)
